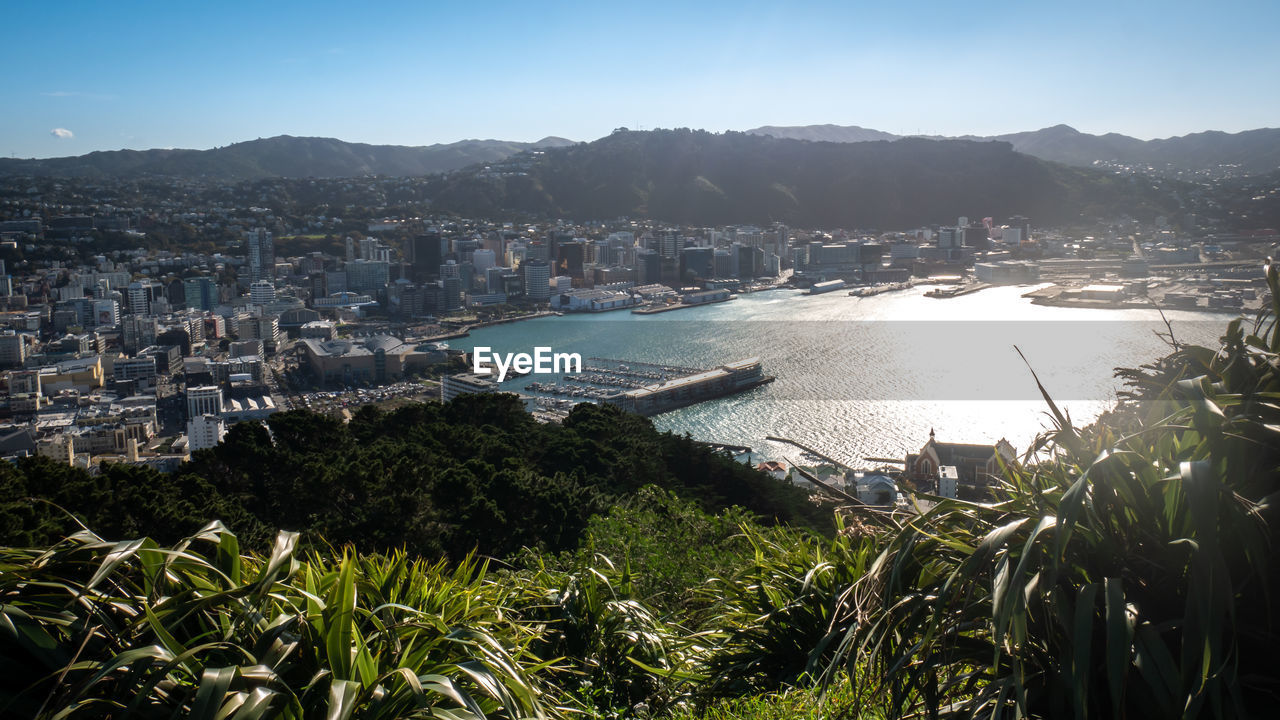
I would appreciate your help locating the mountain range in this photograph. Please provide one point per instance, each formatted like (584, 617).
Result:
(281, 156)
(702, 178)
(1253, 151)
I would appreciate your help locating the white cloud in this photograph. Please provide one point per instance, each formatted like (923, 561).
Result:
(78, 94)
(62, 133)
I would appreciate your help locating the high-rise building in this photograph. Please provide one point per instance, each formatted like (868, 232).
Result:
(426, 254)
(200, 293)
(493, 279)
(452, 288)
(266, 329)
(316, 287)
(106, 312)
(367, 276)
(648, 267)
(536, 250)
(335, 281)
(205, 431)
(975, 236)
(537, 280)
(204, 400)
(569, 258)
(13, 349)
(723, 263)
(138, 331)
(948, 237)
(750, 260)
(139, 296)
(698, 261)
(483, 260)
(262, 292)
(261, 255)
(1024, 226)
(668, 244)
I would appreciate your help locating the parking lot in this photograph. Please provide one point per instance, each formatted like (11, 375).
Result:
(335, 401)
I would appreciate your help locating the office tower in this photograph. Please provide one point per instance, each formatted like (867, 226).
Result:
(698, 262)
(261, 255)
(537, 280)
(262, 292)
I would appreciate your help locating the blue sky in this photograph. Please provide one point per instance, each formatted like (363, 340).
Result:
(145, 75)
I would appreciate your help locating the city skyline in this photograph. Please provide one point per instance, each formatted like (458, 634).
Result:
(154, 76)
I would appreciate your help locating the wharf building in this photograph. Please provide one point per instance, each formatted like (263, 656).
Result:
(451, 386)
(595, 300)
(1007, 272)
(679, 392)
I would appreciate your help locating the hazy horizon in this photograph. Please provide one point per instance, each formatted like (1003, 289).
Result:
(152, 75)
(544, 137)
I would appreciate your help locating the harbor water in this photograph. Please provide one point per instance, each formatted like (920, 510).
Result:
(870, 377)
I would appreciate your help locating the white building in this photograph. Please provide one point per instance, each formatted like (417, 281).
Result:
(205, 431)
(537, 280)
(451, 386)
(139, 298)
(874, 489)
(106, 312)
(948, 481)
(205, 400)
(262, 292)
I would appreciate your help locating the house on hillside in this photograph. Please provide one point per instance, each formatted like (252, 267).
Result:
(775, 468)
(975, 466)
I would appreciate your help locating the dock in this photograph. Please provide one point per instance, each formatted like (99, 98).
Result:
(965, 289)
(725, 447)
(653, 309)
(650, 388)
(809, 450)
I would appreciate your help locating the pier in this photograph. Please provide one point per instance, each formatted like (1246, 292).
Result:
(650, 388)
(809, 450)
(725, 447)
(651, 309)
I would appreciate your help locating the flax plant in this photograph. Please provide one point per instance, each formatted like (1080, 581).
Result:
(1130, 575)
(130, 629)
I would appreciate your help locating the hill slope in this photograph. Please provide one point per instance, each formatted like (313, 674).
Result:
(1255, 151)
(698, 177)
(282, 156)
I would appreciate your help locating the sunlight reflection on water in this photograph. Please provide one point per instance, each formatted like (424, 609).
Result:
(869, 377)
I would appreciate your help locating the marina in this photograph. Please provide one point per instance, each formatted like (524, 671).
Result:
(649, 388)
